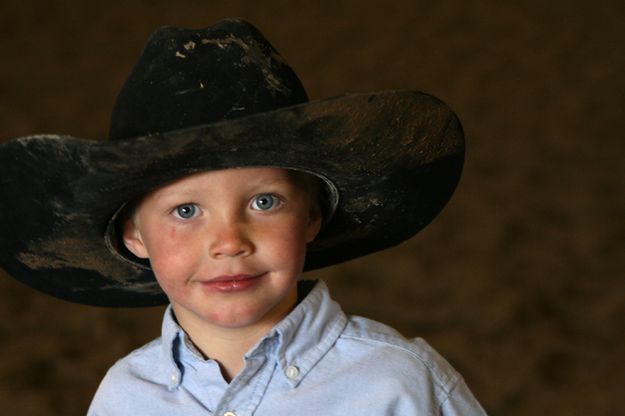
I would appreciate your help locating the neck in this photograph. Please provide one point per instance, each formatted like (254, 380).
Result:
(228, 345)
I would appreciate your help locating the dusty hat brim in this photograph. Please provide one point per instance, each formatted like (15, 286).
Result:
(394, 157)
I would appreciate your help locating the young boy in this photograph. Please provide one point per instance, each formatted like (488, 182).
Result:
(219, 185)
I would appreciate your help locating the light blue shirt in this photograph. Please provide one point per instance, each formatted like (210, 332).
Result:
(316, 361)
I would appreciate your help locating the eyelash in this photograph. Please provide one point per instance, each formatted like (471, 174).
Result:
(276, 203)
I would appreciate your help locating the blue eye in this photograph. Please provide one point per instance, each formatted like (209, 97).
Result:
(265, 202)
(185, 211)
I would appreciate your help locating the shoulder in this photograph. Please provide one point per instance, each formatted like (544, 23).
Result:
(139, 363)
(413, 376)
(128, 375)
(412, 364)
(381, 336)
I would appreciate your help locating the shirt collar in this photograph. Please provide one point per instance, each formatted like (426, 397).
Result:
(298, 342)
(307, 333)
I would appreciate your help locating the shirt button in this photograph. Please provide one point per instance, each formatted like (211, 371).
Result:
(292, 372)
(230, 414)
(174, 377)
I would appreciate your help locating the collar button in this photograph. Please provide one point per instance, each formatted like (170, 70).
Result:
(292, 372)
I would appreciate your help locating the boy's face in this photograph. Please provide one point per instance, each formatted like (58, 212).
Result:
(226, 246)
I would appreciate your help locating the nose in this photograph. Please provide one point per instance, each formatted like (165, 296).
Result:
(230, 239)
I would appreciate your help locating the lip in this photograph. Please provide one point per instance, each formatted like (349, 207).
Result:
(233, 282)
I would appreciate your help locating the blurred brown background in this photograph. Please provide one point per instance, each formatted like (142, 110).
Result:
(519, 283)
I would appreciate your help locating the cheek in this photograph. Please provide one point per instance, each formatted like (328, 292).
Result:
(171, 257)
(287, 244)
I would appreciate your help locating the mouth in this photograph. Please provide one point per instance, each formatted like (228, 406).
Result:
(232, 283)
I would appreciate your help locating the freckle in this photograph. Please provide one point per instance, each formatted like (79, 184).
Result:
(172, 233)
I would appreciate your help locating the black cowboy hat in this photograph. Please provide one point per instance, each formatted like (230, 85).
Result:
(209, 99)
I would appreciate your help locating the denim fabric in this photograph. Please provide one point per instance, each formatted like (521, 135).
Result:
(316, 361)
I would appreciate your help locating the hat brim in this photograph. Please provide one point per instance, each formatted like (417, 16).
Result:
(394, 157)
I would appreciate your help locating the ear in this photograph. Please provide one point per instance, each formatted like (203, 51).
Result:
(314, 223)
(133, 240)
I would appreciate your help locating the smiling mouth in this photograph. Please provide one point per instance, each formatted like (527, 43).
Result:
(232, 283)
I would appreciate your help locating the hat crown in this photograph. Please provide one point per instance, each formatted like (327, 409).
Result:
(187, 77)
